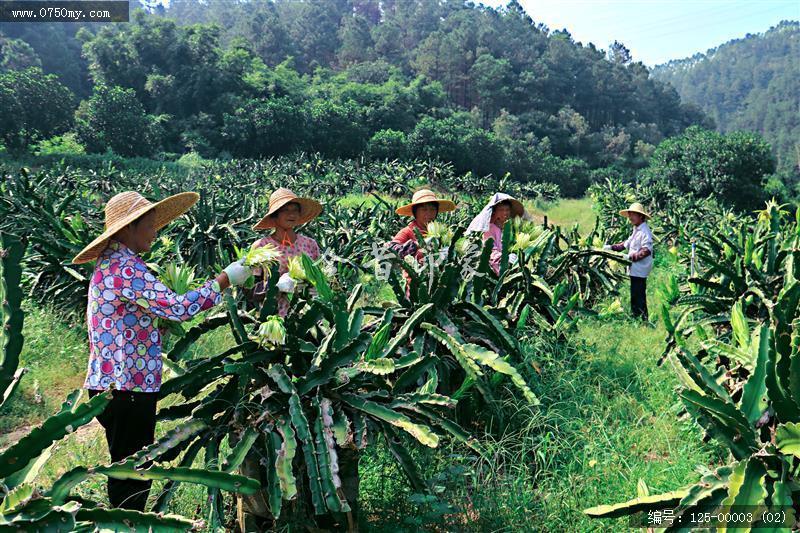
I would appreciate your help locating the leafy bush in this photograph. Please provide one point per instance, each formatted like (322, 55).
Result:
(387, 144)
(35, 106)
(60, 144)
(113, 119)
(267, 127)
(451, 139)
(730, 167)
(336, 130)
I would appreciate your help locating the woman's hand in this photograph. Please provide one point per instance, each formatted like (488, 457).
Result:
(237, 272)
(286, 283)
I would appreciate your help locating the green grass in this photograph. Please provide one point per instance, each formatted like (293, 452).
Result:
(54, 369)
(567, 212)
(609, 418)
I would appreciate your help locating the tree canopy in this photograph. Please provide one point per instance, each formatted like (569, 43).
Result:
(487, 89)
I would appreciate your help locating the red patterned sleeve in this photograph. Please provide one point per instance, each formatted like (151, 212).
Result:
(404, 243)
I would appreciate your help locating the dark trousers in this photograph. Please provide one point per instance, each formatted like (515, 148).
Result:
(639, 297)
(130, 424)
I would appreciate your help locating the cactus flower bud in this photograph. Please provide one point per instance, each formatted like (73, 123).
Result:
(523, 241)
(462, 246)
(296, 270)
(272, 331)
(440, 231)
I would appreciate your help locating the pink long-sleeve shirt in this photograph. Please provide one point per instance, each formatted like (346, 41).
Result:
(494, 232)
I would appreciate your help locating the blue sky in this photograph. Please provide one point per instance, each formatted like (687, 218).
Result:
(658, 30)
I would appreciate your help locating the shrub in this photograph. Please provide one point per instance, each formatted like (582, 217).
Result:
(34, 106)
(388, 144)
(60, 144)
(114, 119)
(731, 167)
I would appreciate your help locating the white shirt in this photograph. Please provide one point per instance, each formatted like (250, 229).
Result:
(641, 237)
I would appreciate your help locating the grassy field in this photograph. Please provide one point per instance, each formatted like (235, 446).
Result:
(567, 212)
(607, 420)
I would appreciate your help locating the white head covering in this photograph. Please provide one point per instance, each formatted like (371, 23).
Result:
(484, 218)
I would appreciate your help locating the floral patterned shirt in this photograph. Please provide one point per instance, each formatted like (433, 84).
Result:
(302, 245)
(124, 299)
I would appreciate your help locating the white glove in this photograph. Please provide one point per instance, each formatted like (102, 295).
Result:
(606, 247)
(512, 259)
(286, 283)
(237, 272)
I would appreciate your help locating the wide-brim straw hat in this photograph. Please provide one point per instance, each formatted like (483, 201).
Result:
(424, 196)
(635, 207)
(126, 207)
(309, 208)
(517, 209)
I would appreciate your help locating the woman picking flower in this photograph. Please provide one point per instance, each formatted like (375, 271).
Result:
(425, 206)
(286, 211)
(125, 298)
(490, 221)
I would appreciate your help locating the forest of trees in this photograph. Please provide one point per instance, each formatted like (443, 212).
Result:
(488, 89)
(750, 84)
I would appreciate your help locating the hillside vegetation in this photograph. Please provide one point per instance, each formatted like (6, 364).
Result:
(748, 84)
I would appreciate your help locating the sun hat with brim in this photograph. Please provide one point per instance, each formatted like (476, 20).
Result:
(128, 206)
(482, 220)
(635, 208)
(309, 208)
(425, 196)
(517, 209)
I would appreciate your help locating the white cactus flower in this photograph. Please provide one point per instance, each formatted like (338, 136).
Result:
(523, 241)
(296, 270)
(263, 257)
(440, 231)
(272, 331)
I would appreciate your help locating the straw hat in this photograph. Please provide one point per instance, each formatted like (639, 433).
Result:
(483, 220)
(635, 207)
(517, 209)
(308, 208)
(424, 196)
(128, 206)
